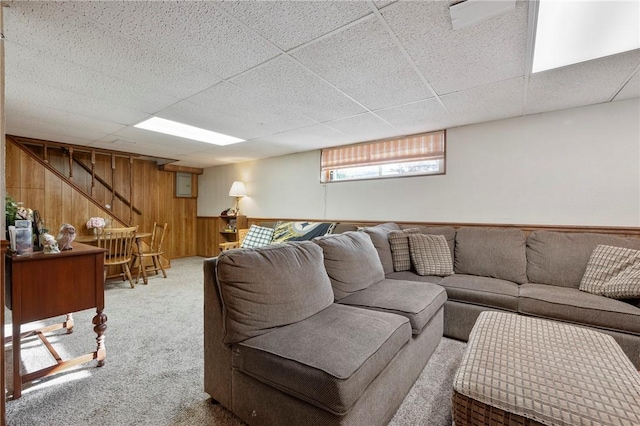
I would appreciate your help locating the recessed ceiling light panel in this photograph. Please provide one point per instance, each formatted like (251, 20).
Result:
(161, 125)
(569, 32)
(470, 12)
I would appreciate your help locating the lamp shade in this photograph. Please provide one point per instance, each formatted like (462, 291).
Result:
(237, 189)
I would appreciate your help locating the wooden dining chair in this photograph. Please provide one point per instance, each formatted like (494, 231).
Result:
(154, 252)
(119, 244)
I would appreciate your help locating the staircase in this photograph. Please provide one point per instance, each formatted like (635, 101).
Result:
(94, 173)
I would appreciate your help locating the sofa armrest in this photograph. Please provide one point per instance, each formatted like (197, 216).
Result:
(217, 355)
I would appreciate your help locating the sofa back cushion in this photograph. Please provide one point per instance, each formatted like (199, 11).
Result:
(351, 261)
(379, 235)
(343, 227)
(560, 258)
(491, 252)
(271, 287)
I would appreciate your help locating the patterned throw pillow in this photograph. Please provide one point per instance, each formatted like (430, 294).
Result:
(257, 236)
(430, 254)
(613, 272)
(300, 231)
(399, 243)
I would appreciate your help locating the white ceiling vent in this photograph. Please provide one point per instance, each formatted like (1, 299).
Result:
(470, 12)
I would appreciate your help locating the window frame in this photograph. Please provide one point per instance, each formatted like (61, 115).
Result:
(441, 155)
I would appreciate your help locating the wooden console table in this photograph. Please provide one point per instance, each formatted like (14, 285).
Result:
(41, 286)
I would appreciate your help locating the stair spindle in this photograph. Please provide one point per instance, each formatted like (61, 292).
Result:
(113, 180)
(93, 172)
(131, 190)
(70, 163)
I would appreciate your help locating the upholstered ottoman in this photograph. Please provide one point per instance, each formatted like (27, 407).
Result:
(520, 370)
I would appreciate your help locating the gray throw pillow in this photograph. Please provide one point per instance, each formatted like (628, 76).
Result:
(399, 242)
(613, 272)
(270, 287)
(430, 254)
(351, 261)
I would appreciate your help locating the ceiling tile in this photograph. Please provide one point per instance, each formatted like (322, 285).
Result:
(65, 101)
(136, 147)
(286, 83)
(487, 103)
(194, 31)
(579, 84)
(40, 68)
(44, 26)
(24, 115)
(289, 24)
(49, 136)
(363, 127)
(418, 117)
(244, 108)
(233, 154)
(489, 51)
(384, 3)
(631, 89)
(221, 122)
(364, 62)
(307, 138)
(160, 141)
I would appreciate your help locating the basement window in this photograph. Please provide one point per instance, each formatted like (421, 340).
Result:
(415, 155)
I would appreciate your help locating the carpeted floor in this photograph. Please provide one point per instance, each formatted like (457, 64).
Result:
(154, 369)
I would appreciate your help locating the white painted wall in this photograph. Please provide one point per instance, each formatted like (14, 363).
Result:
(572, 167)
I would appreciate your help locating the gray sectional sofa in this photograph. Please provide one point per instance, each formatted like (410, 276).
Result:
(313, 333)
(328, 332)
(538, 274)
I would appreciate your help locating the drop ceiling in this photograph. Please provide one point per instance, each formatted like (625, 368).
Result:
(287, 76)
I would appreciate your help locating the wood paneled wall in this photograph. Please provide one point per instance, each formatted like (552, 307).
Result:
(58, 202)
(208, 237)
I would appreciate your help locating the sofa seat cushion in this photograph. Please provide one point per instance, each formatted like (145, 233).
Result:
(328, 359)
(419, 302)
(412, 276)
(490, 292)
(578, 307)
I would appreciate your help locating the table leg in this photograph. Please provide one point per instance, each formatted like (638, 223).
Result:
(17, 379)
(68, 323)
(100, 322)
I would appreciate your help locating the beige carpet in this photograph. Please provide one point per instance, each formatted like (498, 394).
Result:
(154, 369)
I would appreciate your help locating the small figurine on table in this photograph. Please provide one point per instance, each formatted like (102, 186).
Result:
(66, 235)
(49, 244)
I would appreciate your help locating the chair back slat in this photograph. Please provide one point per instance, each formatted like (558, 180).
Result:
(157, 237)
(119, 243)
(242, 233)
